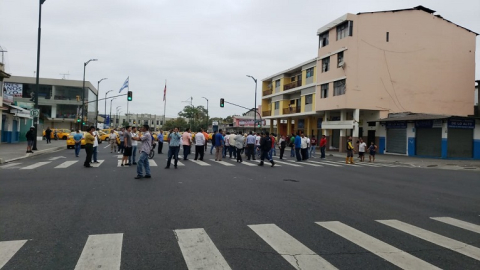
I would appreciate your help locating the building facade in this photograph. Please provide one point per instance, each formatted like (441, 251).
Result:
(371, 66)
(154, 121)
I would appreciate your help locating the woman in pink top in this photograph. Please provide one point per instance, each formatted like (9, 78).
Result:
(186, 142)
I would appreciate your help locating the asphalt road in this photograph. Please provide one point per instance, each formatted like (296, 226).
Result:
(239, 217)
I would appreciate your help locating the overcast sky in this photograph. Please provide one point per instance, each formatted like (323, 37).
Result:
(202, 48)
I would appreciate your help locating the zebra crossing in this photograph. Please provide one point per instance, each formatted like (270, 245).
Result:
(62, 162)
(104, 251)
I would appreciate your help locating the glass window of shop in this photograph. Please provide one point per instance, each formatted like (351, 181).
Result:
(44, 91)
(67, 93)
(91, 105)
(45, 111)
(66, 111)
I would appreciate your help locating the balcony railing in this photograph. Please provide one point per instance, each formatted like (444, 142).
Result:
(267, 92)
(291, 110)
(267, 113)
(292, 85)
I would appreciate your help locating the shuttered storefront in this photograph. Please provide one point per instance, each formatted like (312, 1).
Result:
(397, 140)
(460, 138)
(429, 142)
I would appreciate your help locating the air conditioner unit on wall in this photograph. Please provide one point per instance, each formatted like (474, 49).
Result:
(342, 64)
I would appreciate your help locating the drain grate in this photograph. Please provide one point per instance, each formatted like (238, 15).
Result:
(291, 180)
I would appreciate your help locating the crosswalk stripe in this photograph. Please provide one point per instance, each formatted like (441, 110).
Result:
(66, 164)
(343, 163)
(96, 165)
(200, 162)
(152, 163)
(180, 163)
(199, 251)
(309, 164)
(36, 165)
(457, 246)
(459, 223)
(324, 163)
(288, 163)
(9, 165)
(223, 162)
(8, 250)
(294, 252)
(55, 158)
(102, 251)
(119, 156)
(385, 251)
(248, 163)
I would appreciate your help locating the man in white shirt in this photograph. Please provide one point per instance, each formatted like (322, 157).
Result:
(134, 147)
(232, 148)
(199, 144)
(113, 141)
(308, 146)
(257, 143)
(304, 146)
(361, 149)
(95, 147)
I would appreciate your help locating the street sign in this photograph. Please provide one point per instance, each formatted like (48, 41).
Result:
(34, 113)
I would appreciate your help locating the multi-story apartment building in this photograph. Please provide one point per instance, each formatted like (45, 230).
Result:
(375, 64)
(59, 100)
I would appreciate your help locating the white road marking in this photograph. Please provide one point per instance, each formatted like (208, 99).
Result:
(36, 165)
(96, 165)
(294, 252)
(457, 246)
(55, 158)
(199, 251)
(325, 163)
(223, 162)
(108, 145)
(102, 251)
(8, 250)
(152, 163)
(289, 164)
(343, 163)
(459, 223)
(9, 165)
(385, 251)
(309, 164)
(119, 156)
(66, 164)
(180, 163)
(200, 162)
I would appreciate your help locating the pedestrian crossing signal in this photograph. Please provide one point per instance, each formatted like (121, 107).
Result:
(129, 96)
(222, 103)
(78, 120)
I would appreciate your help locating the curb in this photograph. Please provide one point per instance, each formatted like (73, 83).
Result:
(41, 152)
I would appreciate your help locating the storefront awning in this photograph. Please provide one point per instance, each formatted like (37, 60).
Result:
(413, 117)
(18, 111)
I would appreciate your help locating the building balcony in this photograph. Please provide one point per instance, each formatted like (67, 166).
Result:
(267, 92)
(291, 110)
(266, 113)
(292, 85)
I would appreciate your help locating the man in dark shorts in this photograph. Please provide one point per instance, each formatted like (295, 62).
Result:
(350, 151)
(30, 139)
(373, 150)
(127, 143)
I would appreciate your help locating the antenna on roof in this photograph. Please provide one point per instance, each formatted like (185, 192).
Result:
(64, 75)
(2, 51)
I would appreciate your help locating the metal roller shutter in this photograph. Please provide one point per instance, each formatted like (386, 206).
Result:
(429, 142)
(460, 143)
(397, 141)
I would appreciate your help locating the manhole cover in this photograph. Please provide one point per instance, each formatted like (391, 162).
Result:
(432, 165)
(291, 180)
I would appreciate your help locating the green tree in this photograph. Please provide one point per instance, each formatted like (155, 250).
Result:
(196, 115)
(180, 122)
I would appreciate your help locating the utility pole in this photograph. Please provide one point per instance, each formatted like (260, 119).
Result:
(37, 84)
(255, 115)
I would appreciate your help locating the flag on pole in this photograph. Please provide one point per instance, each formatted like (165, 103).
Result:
(165, 92)
(125, 84)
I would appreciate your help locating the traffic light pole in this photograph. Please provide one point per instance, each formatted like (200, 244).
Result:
(254, 124)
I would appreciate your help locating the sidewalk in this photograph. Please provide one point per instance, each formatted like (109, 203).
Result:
(15, 151)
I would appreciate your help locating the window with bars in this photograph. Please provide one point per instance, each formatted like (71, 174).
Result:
(324, 90)
(308, 99)
(326, 64)
(277, 105)
(323, 39)
(310, 72)
(339, 87)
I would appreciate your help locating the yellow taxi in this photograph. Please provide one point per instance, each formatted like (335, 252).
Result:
(71, 141)
(62, 134)
(103, 136)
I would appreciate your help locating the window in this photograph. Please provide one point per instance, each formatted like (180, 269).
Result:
(324, 90)
(325, 64)
(388, 36)
(277, 83)
(310, 72)
(345, 29)
(339, 87)
(308, 99)
(323, 39)
(340, 59)
(145, 122)
(277, 105)
(292, 79)
(158, 122)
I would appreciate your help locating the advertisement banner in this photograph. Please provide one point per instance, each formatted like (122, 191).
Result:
(7, 99)
(14, 89)
(397, 125)
(461, 123)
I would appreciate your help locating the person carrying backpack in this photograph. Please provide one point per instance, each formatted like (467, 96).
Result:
(265, 146)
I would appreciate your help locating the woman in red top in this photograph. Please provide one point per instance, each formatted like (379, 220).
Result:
(323, 145)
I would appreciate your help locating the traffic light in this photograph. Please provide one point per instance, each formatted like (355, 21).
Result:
(129, 96)
(78, 120)
(222, 103)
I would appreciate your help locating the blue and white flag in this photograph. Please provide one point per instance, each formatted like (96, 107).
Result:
(125, 84)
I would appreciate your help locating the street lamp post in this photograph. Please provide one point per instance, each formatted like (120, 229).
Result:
(35, 119)
(255, 114)
(110, 119)
(207, 110)
(111, 111)
(118, 114)
(83, 91)
(96, 110)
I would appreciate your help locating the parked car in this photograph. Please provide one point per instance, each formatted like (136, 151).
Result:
(62, 134)
(71, 141)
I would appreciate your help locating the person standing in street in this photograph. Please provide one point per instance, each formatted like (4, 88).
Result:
(313, 146)
(113, 141)
(95, 146)
(132, 158)
(272, 148)
(323, 145)
(292, 145)
(231, 142)
(213, 142)
(304, 146)
(143, 162)
(361, 150)
(250, 146)
(373, 150)
(48, 133)
(30, 139)
(89, 146)
(173, 148)
(77, 137)
(257, 144)
(239, 142)
(350, 150)
(266, 147)
(121, 134)
(298, 146)
(205, 135)
(282, 143)
(127, 144)
(160, 141)
(186, 143)
(199, 144)
(219, 142)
